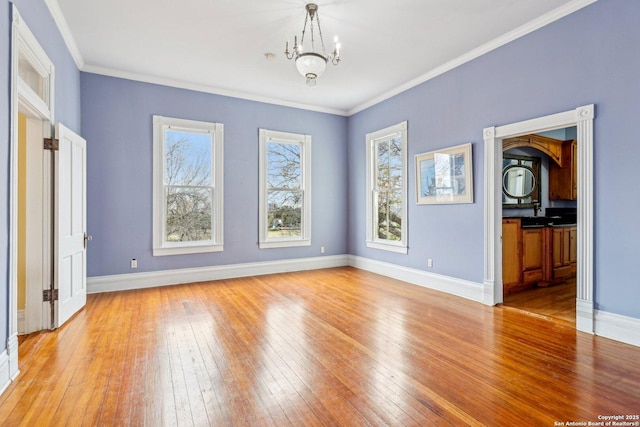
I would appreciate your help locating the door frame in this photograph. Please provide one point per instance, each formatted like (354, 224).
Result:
(582, 118)
(24, 99)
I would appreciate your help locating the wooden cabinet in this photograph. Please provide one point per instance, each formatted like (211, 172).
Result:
(511, 255)
(563, 253)
(536, 256)
(563, 180)
(532, 255)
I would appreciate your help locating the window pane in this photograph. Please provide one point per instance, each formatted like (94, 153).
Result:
(31, 77)
(187, 158)
(389, 221)
(188, 214)
(395, 163)
(394, 220)
(382, 164)
(284, 169)
(284, 214)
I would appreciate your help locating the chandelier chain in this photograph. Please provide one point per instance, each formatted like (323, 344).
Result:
(304, 28)
(324, 52)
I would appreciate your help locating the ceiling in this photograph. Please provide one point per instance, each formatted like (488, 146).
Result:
(219, 46)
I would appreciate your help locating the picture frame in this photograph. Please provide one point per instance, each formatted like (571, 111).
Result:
(445, 176)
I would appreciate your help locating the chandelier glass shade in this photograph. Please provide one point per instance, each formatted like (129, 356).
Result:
(312, 64)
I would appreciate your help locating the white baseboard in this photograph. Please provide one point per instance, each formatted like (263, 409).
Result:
(12, 352)
(5, 375)
(617, 327)
(21, 322)
(584, 316)
(9, 363)
(451, 285)
(123, 282)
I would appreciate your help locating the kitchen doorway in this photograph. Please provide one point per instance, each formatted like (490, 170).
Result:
(539, 223)
(583, 118)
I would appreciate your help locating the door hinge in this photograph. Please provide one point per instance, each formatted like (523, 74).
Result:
(48, 293)
(51, 144)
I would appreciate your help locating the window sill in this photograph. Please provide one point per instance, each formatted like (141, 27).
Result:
(398, 248)
(284, 243)
(184, 250)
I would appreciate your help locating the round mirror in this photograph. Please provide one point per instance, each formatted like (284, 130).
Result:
(518, 181)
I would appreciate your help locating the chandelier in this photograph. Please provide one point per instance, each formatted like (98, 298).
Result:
(312, 64)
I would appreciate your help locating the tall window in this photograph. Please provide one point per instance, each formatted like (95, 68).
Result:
(188, 193)
(386, 188)
(285, 189)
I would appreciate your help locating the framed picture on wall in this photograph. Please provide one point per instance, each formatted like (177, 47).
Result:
(445, 176)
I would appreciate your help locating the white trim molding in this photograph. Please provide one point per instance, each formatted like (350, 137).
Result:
(12, 353)
(65, 32)
(617, 327)
(41, 105)
(451, 285)
(582, 118)
(22, 327)
(125, 282)
(5, 375)
(494, 44)
(9, 363)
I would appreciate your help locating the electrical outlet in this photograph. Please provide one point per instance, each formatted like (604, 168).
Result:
(321, 249)
(430, 263)
(134, 263)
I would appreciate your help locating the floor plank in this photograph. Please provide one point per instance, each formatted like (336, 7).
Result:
(319, 348)
(557, 301)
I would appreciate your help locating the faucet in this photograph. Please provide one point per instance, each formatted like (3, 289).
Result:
(536, 209)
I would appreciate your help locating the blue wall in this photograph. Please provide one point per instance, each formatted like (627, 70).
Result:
(590, 56)
(117, 123)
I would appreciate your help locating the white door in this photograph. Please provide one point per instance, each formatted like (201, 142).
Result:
(70, 224)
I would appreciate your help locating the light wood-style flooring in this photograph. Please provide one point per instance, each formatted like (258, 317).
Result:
(557, 301)
(319, 348)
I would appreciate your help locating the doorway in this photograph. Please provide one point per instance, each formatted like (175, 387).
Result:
(33, 222)
(539, 223)
(582, 118)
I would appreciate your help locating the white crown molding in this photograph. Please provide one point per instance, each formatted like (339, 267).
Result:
(65, 31)
(617, 327)
(124, 282)
(540, 22)
(438, 282)
(521, 31)
(146, 78)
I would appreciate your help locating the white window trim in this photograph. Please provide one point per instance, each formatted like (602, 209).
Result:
(160, 247)
(305, 142)
(372, 241)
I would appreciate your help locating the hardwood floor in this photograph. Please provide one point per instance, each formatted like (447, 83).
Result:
(557, 301)
(327, 347)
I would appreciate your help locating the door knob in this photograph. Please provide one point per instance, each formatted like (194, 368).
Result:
(87, 239)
